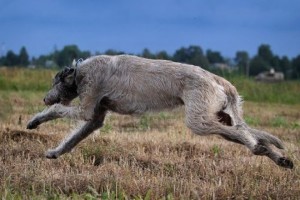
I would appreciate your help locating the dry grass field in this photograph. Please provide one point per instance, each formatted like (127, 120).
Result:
(149, 157)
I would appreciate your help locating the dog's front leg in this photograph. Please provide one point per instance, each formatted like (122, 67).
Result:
(54, 112)
(75, 137)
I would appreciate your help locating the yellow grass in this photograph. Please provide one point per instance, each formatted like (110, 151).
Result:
(152, 157)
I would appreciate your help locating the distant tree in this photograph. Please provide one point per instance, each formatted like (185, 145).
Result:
(147, 54)
(84, 54)
(23, 57)
(265, 53)
(214, 57)
(275, 63)
(162, 55)
(285, 65)
(68, 54)
(11, 59)
(41, 60)
(263, 60)
(2, 60)
(296, 66)
(257, 65)
(113, 52)
(191, 55)
(242, 61)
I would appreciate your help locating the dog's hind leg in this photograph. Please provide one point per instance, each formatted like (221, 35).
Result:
(204, 122)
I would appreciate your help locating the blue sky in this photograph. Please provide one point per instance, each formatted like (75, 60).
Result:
(132, 25)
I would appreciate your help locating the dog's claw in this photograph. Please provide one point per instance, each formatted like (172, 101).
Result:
(51, 154)
(33, 124)
(285, 162)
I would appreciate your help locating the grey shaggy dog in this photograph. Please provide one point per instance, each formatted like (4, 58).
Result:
(132, 85)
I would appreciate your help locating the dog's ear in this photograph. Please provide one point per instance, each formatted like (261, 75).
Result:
(57, 78)
(68, 75)
(74, 63)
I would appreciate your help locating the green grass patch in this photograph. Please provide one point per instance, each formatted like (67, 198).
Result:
(279, 122)
(11, 100)
(18, 79)
(282, 122)
(287, 92)
(252, 120)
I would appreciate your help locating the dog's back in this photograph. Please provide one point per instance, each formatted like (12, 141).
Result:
(137, 85)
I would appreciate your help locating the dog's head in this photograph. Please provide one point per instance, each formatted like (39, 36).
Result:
(64, 88)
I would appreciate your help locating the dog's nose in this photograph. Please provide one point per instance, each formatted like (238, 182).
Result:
(44, 100)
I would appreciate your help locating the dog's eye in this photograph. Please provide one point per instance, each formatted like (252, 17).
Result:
(55, 81)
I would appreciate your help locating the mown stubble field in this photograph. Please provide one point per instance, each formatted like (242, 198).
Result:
(149, 157)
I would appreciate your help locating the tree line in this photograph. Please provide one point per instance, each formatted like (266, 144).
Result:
(242, 63)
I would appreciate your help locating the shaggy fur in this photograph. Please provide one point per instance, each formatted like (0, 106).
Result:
(133, 85)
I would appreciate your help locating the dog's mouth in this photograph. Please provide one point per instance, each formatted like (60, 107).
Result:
(65, 103)
(50, 103)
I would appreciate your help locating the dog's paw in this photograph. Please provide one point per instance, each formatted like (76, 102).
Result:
(285, 162)
(33, 124)
(52, 154)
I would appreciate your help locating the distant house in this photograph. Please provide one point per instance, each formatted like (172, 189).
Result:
(31, 66)
(270, 76)
(50, 64)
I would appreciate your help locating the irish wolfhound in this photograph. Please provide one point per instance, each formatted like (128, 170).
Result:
(132, 85)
